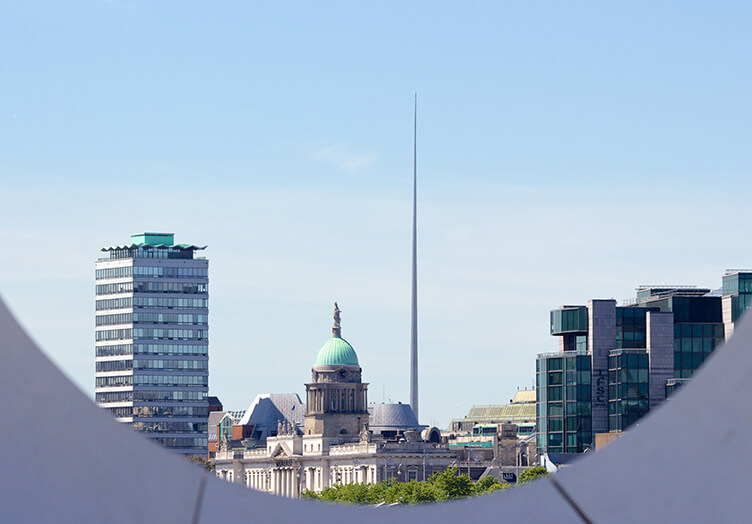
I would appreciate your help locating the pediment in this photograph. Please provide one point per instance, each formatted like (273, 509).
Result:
(280, 451)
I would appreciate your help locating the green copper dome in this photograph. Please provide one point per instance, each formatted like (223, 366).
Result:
(336, 352)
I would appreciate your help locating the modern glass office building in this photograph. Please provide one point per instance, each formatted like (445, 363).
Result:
(615, 363)
(151, 339)
(737, 297)
(563, 410)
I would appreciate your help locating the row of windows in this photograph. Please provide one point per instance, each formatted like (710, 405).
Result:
(171, 303)
(687, 363)
(738, 283)
(628, 391)
(574, 342)
(171, 349)
(109, 382)
(171, 365)
(151, 287)
(696, 345)
(114, 365)
(151, 396)
(170, 396)
(114, 303)
(582, 440)
(631, 316)
(151, 349)
(170, 272)
(114, 396)
(628, 375)
(171, 318)
(170, 411)
(170, 380)
(169, 287)
(114, 350)
(578, 424)
(151, 271)
(113, 334)
(627, 339)
(740, 304)
(113, 272)
(170, 427)
(152, 252)
(570, 319)
(170, 334)
(182, 442)
(556, 409)
(688, 329)
(152, 318)
(571, 377)
(111, 320)
(632, 359)
(574, 362)
(111, 289)
(628, 406)
(121, 412)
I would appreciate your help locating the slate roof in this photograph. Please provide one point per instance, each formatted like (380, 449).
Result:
(214, 418)
(268, 409)
(392, 417)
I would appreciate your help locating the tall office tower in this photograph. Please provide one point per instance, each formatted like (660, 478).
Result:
(615, 363)
(151, 339)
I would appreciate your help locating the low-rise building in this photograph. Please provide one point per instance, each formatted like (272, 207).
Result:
(488, 419)
(496, 440)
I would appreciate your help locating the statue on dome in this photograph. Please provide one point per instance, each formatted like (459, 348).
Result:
(336, 329)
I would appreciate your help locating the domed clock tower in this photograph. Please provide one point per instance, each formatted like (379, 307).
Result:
(337, 399)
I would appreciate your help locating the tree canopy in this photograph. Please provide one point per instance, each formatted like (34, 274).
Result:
(444, 485)
(202, 461)
(532, 474)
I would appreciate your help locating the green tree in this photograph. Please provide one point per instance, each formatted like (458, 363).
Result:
(531, 474)
(489, 484)
(202, 461)
(450, 485)
(415, 492)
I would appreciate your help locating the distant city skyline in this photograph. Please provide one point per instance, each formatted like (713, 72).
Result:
(565, 153)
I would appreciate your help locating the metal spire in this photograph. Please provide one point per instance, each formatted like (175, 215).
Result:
(414, 305)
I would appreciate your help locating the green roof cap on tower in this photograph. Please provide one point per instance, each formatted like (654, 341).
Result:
(153, 239)
(336, 351)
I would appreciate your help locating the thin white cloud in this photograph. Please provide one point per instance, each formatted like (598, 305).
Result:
(340, 155)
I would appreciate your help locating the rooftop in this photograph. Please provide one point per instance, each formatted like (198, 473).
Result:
(500, 412)
(392, 417)
(153, 241)
(524, 395)
(336, 351)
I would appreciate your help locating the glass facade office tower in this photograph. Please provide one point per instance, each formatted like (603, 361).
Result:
(615, 363)
(151, 339)
(737, 297)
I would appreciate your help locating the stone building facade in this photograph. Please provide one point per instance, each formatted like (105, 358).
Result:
(335, 444)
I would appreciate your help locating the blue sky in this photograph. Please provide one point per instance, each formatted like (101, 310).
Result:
(567, 151)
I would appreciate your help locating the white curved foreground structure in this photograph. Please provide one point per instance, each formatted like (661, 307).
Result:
(65, 460)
